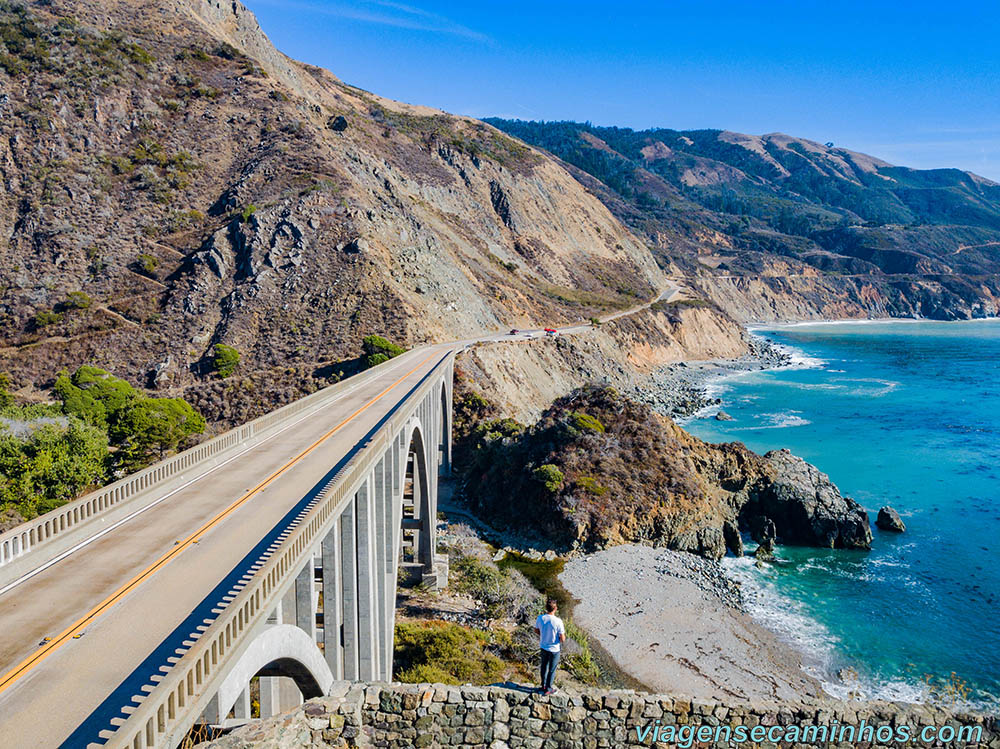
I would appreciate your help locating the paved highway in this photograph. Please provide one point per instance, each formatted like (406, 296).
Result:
(78, 638)
(266, 483)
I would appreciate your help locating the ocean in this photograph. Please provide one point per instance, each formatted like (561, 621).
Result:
(897, 413)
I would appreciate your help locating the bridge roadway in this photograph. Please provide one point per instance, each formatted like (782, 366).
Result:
(56, 694)
(72, 631)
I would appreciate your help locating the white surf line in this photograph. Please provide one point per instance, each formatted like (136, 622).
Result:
(87, 541)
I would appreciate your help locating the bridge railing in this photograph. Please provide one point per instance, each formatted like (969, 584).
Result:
(165, 715)
(33, 543)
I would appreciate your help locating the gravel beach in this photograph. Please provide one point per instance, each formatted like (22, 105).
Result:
(681, 390)
(675, 622)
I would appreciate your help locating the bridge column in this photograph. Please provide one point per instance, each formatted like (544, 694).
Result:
(391, 550)
(349, 589)
(415, 491)
(241, 710)
(270, 699)
(381, 540)
(305, 612)
(279, 693)
(333, 649)
(367, 611)
(386, 551)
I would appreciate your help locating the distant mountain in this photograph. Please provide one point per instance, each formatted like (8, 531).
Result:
(718, 203)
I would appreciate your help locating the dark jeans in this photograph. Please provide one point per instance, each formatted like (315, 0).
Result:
(550, 662)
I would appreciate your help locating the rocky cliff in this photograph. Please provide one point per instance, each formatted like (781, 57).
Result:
(525, 377)
(171, 181)
(598, 470)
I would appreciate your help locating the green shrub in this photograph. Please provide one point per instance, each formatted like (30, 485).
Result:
(550, 476)
(378, 349)
(148, 263)
(122, 165)
(6, 399)
(444, 653)
(224, 360)
(591, 485)
(375, 344)
(51, 466)
(247, 212)
(502, 592)
(228, 52)
(498, 429)
(94, 396)
(482, 580)
(586, 423)
(65, 449)
(44, 318)
(77, 300)
(582, 664)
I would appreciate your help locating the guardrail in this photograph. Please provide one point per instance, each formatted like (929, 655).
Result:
(165, 715)
(35, 542)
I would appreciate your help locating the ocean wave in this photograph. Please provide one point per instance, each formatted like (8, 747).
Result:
(818, 647)
(779, 420)
(885, 387)
(815, 643)
(797, 358)
(782, 615)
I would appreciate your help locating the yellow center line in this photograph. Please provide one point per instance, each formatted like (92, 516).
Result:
(66, 635)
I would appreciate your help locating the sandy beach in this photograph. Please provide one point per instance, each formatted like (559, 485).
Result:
(673, 621)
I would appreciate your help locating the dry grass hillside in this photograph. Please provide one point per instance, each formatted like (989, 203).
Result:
(171, 181)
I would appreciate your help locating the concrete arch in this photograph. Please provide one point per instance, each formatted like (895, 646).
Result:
(425, 510)
(280, 650)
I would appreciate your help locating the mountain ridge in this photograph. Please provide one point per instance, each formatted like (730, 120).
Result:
(923, 242)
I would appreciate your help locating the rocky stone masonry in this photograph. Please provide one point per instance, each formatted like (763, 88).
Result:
(398, 716)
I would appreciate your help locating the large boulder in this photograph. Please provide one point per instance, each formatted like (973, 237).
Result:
(806, 507)
(888, 520)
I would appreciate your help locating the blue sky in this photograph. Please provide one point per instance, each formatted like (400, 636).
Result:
(915, 83)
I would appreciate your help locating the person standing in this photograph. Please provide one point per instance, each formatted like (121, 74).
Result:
(551, 635)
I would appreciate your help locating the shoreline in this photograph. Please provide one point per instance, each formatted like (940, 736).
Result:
(682, 390)
(754, 326)
(677, 622)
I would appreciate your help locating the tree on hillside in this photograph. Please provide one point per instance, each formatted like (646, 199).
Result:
(94, 395)
(154, 424)
(378, 349)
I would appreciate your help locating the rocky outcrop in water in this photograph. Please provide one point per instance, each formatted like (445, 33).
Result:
(888, 520)
(806, 508)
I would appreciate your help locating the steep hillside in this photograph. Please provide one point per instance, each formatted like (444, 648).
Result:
(775, 227)
(171, 182)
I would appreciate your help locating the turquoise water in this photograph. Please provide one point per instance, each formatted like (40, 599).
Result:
(899, 413)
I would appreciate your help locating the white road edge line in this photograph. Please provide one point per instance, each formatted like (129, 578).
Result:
(86, 542)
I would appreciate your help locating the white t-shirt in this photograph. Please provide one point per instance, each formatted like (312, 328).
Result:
(551, 626)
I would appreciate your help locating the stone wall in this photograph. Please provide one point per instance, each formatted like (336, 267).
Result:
(396, 716)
